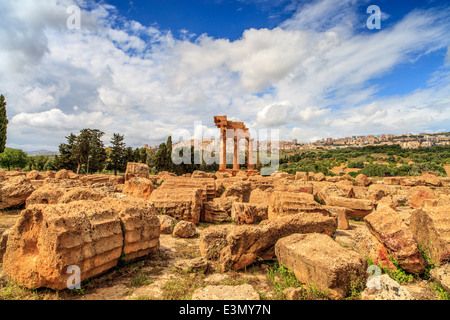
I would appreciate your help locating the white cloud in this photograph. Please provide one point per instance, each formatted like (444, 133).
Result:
(274, 115)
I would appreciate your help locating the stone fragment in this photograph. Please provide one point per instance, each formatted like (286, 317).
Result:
(389, 228)
(417, 195)
(247, 243)
(287, 203)
(139, 188)
(182, 204)
(91, 235)
(167, 223)
(316, 259)
(248, 213)
(239, 189)
(213, 241)
(14, 192)
(358, 208)
(218, 210)
(384, 287)
(184, 229)
(137, 170)
(441, 275)
(361, 180)
(195, 265)
(431, 228)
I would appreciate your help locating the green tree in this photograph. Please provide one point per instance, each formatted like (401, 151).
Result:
(13, 158)
(3, 123)
(161, 158)
(89, 150)
(117, 156)
(37, 162)
(129, 155)
(66, 158)
(169, 162)
(137, 155)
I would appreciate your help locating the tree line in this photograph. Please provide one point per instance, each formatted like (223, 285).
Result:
(86, 153)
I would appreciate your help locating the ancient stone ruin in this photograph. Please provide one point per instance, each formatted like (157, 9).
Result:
(324, 229)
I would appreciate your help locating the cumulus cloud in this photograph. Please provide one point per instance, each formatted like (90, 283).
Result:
(274, 115)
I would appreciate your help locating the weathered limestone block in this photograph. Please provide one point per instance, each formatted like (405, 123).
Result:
(66, 174)
(361, 180)
(369, 246)
(207, 185)
(431, 179)
(287, 203)
(377, 191)
(248, 213)
(325, 190)
(76, 194)
(213, 240)
(139, 188)
(3, 241)
(417, 195)
(14, 192)
(260, 196)
(441, 275)
(319, 176)
(184, 229)
(341, 214)
(102, 178)
(261, 183)
(386, 289)
(392, 180)
(293, 186)
(195, 265)
(47, 194)
(218, 210)
(247, 243)
(431, 228)
(35, 175)
(138, 170)
(390, 229)
(317, 259)
(239, 189)
(357, 207)
(52, 194)
(92, 235)
(386, 201)
(182, 204)
(167, 223)
(201, 175)
(14, 174)
(303, 176)
(47, 239)
(140, 226)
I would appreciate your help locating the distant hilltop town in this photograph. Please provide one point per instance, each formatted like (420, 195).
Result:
(406, 141)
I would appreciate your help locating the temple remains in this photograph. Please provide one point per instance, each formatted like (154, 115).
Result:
(237, 131)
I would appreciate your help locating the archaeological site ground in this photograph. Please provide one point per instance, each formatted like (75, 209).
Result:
(216, 236)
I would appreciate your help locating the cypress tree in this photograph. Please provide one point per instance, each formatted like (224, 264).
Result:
(3, 123)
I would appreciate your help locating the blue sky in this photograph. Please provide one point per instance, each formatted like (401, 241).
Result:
(310, 69)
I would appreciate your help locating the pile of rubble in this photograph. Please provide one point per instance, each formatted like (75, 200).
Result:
(95, 221)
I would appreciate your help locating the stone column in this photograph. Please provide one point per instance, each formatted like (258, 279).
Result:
(223, 150)
(250, 164)
(235, 156)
